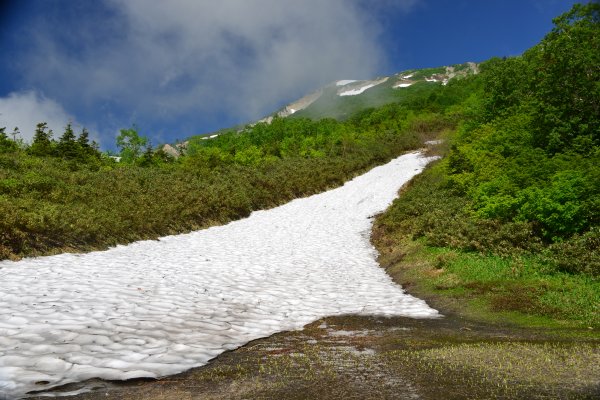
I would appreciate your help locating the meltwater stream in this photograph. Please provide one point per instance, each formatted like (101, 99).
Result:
(155, 308)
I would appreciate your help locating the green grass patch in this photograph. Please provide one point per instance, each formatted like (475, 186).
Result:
(521, 289)
(520, 284)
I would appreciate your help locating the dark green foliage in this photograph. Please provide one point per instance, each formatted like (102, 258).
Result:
(505, 82)
(56, 203)
(556, 82)
(67, 146)
(581, 254)
(6, 144)
(42, 141)
(522, 173)
(565, 71)
(367, 133)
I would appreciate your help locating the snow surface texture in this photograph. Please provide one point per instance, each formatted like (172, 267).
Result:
(155, 308)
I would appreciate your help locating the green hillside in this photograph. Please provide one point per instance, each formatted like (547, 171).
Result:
(509, 216)
(508, 220)
(331, 105)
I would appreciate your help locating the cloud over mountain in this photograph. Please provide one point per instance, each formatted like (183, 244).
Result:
(160, 61)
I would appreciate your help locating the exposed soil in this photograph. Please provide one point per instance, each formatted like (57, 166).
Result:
(356, 357)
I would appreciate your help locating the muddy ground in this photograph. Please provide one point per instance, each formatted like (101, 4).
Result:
(355, 357)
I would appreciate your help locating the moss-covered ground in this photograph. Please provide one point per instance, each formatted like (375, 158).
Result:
(354, 357)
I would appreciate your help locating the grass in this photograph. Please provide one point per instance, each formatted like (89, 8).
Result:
(510, 289)
(484, 269)
(507, 369)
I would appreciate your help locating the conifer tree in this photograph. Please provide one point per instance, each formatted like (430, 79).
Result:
(84, 139)
(67, 145)
(6, 144)
(42, 141)
(85, 148)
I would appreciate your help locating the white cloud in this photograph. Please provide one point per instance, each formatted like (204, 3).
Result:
(26, 109)
(161, 60)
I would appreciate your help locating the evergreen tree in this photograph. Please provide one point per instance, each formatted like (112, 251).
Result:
(67, 145)
(6, 145)
(83, 139)
(147, 159)
(85, 148)
(42, 141)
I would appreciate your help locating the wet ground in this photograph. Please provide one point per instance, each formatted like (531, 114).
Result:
(383, 358)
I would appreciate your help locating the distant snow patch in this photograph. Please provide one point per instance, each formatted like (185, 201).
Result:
(344, 82)
(354, 92)
(403, 85)
(356, 89)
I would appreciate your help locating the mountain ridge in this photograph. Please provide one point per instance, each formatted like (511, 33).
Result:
(397, 81)
(331, 100)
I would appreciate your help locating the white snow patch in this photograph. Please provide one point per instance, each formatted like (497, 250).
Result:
(359, 90)
(403, 85)
(407, 76)
(431, 79)
(356, 89)
(155, 308)
(344, 82)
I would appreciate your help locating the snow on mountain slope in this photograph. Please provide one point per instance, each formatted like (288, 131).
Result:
(155, 308)
(402, 80)
(300, 104)
(344, 82)
(334, 94)
(359, 87)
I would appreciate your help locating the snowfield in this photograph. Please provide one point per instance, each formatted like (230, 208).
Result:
(344, 82)
(359, 88)
(155, 308)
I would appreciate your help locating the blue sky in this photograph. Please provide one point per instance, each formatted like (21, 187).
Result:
(183, 67)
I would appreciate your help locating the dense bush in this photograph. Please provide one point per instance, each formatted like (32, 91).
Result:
(522, 173)
(65, 195)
